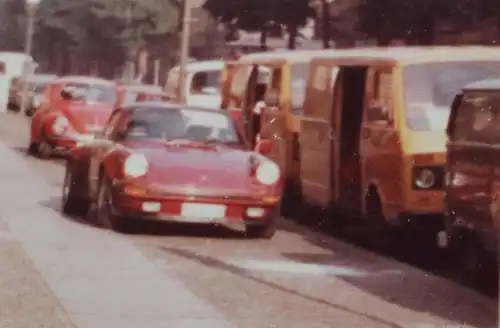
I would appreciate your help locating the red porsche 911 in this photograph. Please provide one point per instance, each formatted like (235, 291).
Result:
(161, 161)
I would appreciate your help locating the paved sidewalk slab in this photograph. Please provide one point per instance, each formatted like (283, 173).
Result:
(101, 279)
(25, 299)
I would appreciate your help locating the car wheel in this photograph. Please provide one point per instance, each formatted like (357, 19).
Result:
(71, 204)
(266, 230)
(105, 216)
(476, 267)
(33, 148)
(45, 149)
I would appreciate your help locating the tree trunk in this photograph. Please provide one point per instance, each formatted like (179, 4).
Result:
(292, 37)
(325, 24)
(263, 39)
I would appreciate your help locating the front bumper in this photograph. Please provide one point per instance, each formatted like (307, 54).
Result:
(64, 144)
(255, 209)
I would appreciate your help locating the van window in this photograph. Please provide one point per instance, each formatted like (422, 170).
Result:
(300, 74)
(430, 88)
(240, 79)
(205, 79)
(478, 118)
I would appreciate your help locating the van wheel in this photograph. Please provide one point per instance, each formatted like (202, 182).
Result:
(478, 270)
(290, 201)
(374, 207)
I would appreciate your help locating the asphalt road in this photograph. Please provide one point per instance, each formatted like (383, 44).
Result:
(301, 278)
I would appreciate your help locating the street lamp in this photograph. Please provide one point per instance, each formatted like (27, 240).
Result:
(31, 7)
(186, 33)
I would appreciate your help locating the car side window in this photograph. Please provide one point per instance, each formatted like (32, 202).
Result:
(477, 118)
(110, 127)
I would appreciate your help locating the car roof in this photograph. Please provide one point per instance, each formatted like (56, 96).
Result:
(85, 80)
(489, 84)
(205, 65)
(416, 54)
(142, 87)
(41, 77)
(163, 105)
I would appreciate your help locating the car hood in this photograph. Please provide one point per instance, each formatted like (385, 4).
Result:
(213, 167)
(87, 118)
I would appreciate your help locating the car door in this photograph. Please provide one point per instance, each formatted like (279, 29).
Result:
(101, 145)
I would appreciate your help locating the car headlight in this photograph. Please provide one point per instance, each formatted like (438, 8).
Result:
(60, 125)
(37, 102)
(424, 179)
(267, 173)
(135, 165)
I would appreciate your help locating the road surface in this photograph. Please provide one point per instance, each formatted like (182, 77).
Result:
(65, 272)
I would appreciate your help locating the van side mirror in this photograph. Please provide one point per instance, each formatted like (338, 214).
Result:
(453, 113)
(379, 113)
(272, 99)
(264, 146)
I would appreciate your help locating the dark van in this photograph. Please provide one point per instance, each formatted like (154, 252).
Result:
(472, 183)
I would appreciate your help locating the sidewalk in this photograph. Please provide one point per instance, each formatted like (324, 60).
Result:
(100, 279)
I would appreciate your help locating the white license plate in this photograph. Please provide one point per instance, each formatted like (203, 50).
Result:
(203, 211)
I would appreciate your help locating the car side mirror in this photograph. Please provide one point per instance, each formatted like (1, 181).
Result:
(67, 94)
(264, 146)
(379, 113)
(272, 99)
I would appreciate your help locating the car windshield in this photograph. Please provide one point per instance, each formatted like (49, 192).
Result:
(93, 93)
(37, 87)
(299, 81)
(206, 80)
(431, 87)
(178, 124)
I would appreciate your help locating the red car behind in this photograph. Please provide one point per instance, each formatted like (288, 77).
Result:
(74, 109)
(175, 163)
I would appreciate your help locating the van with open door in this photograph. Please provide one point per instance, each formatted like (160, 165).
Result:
(373, 130)
(266, 92)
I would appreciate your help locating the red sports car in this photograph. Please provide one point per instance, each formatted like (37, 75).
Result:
(74, 109)
(171, 162)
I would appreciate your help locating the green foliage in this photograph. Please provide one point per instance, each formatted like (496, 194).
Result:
(415, 20)
(104, 30)
(262, 15)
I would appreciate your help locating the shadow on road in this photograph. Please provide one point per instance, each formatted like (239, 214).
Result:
(410, 288)
(155, 228)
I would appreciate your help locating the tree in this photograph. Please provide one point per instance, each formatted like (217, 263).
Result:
(248, 15)
(411, 20)
(13, 23)
(106, 31)
(295, 15)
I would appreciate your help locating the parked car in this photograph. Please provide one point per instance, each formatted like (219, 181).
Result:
(472, 183)
(201, 84)
(35, 88)
(131, 93)
(14, 88)
(171, 162)
(76, 108)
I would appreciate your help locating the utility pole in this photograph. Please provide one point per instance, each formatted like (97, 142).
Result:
(184, 54)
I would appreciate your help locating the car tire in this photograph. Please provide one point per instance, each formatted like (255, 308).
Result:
(71, 204)
(105, 216)
(264, 231)
(44, 148)
(478, 270)
(33, 148)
